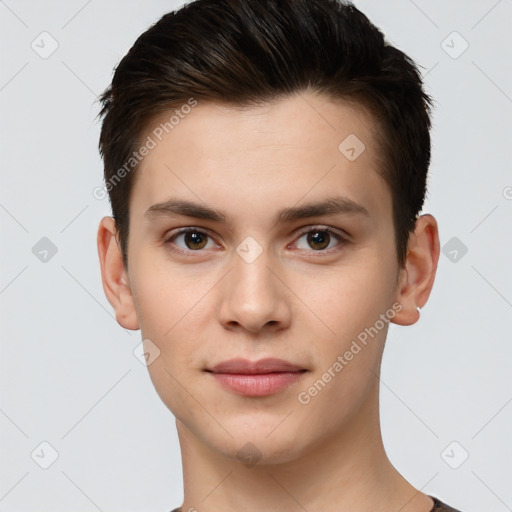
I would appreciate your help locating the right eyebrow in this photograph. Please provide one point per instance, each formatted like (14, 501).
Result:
(186, 208)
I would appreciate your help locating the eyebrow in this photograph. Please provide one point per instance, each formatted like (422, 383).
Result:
(330, 206)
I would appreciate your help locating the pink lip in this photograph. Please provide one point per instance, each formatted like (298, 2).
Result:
(259, 378)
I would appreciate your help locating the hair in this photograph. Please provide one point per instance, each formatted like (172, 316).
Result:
(247, 53)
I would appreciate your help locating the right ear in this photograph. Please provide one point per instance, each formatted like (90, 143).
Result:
(114, 275)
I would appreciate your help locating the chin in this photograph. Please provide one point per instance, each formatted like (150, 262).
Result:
(257, 448)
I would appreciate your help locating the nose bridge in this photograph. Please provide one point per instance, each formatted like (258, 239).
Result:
(253, 296)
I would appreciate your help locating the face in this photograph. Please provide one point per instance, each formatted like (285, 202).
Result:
(258, 275)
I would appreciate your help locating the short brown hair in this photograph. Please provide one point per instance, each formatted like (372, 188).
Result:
(247, 53)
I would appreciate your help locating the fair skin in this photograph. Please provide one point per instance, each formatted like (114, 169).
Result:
(295, 301)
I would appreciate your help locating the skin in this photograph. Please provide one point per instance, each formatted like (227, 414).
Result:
(295, 301)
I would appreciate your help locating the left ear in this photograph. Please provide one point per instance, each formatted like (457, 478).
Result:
(417, 278)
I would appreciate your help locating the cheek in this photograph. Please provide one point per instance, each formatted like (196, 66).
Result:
(174, 313)
(161, 295)
(347, 354)
(348, 304)
(346, 299)
(168, 317)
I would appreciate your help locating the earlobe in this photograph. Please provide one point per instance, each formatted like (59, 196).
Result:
(417, 278)
(114, 276)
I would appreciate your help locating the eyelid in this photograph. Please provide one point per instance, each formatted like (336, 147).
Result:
(319, 227)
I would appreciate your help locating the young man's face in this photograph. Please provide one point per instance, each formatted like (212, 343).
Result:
(257, 286)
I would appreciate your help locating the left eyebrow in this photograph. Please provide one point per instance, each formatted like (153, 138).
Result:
(331, 206)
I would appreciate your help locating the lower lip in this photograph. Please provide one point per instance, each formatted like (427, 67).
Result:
(257, 385)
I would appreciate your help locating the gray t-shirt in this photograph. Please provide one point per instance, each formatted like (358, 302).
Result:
(439, 506)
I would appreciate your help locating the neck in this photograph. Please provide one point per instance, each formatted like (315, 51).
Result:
(347, 471)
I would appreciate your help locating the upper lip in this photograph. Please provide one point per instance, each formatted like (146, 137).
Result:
(244, 366)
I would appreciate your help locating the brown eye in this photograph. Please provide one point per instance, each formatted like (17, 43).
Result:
(321, 240)
(190, 240)
(195, 239)
(318, 240)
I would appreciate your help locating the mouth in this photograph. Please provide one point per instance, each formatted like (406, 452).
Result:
(259, 378)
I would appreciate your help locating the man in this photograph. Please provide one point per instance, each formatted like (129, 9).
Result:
(266, 164)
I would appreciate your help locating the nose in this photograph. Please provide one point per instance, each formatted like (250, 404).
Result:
(255, 296)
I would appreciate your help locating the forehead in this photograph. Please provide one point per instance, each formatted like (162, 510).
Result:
(304, 146)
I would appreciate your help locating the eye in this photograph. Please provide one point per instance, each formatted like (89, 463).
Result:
(317, 239)
(321, 239)
(193, 241)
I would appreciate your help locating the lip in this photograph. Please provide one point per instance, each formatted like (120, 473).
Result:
(258, 378)
(246, 367)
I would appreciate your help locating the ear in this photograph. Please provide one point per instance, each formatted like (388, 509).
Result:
(114, 275)
(417, 278)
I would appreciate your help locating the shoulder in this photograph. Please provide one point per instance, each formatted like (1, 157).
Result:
(439, 506)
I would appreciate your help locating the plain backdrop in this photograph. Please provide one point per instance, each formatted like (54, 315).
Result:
(74, 396)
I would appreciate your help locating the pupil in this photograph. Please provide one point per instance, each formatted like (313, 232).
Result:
(321, 238)
(195, 238)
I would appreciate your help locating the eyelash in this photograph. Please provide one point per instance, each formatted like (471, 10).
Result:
(343, 241)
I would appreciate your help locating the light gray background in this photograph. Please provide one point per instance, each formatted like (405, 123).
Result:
(68, 373)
